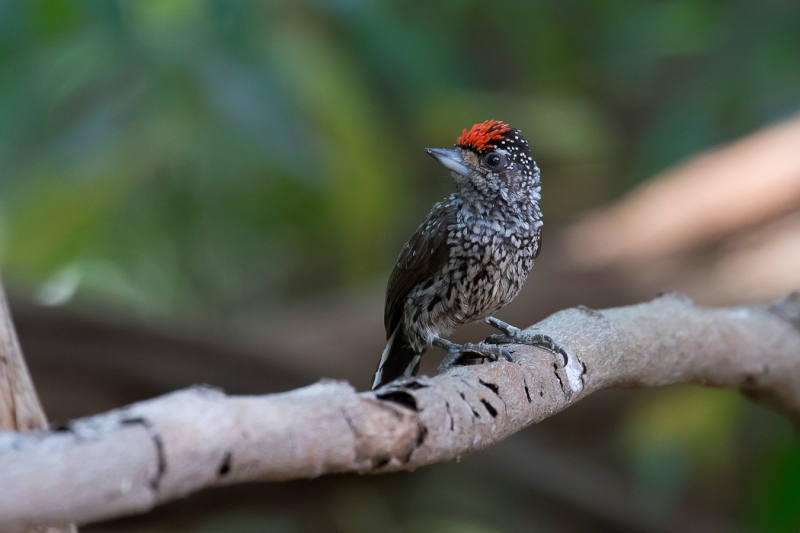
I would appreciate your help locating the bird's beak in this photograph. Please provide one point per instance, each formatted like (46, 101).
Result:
(451, 159)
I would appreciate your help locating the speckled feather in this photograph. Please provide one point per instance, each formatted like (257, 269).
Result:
(472, 254)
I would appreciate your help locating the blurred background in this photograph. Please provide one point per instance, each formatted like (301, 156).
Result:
(213, 191)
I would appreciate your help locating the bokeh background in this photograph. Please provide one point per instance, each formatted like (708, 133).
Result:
(213, 191)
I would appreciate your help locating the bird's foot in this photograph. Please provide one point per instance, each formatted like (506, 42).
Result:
(569, 369)
(469, 353)
(509, 334)
(514, 335)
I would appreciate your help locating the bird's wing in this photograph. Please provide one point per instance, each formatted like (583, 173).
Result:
(422, 257)
(537, 242)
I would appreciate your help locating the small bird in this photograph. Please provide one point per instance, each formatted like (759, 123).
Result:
(472, 254)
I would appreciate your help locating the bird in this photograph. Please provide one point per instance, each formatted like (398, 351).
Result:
(470, 256)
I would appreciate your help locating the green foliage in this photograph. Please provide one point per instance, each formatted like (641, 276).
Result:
(213, 156)
(775, 506)
(679, 433)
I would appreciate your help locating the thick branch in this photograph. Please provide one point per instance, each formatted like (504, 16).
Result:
(129, 460)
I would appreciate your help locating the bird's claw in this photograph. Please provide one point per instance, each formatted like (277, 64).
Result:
(470, 354)
(510, 334)
(507, 329)
(513, 335)
(486, 350)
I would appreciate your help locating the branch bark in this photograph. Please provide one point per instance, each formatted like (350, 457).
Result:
(131, 459)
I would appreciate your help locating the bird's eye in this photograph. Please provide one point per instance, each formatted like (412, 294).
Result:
(493, 160)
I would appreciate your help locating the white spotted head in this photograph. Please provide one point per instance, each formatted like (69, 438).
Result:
(492, 159)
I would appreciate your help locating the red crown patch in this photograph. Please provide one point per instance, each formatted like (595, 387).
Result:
(481, 135)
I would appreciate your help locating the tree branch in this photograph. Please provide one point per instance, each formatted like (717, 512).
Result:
(20, 408)
(129, 460)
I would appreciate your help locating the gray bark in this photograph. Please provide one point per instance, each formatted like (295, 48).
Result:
(129, 460)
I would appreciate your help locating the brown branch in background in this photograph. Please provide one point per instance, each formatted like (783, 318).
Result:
(696, 203)
(723, 226)
(20, 409)
(129, 460)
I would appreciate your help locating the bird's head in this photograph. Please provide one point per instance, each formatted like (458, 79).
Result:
(491, 159)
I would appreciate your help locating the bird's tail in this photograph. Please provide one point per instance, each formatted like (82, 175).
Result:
(398, 359)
